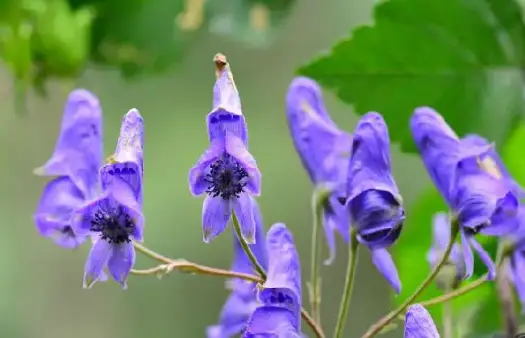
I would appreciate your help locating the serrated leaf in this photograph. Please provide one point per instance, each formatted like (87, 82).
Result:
(252, 22)
(450, 56)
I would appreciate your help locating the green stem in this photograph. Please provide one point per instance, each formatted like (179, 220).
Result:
(319, 198)
(377, 327)
(456, 293)
(349, 284)
(448, 325)
(246, 247)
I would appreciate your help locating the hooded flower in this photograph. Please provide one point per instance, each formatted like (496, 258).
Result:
(242, 301)
(226, 171)
(481, 202)
(374, 202)
(321, 146)
(280, 312)
(441, 238)
(75, 162)
(515, 265)
(115, 217)
(419, 323)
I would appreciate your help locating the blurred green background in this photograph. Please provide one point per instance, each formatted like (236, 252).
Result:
(40, 285)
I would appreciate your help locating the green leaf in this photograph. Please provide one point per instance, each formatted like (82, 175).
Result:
(142, 37)
(462, 58)
(253, 22)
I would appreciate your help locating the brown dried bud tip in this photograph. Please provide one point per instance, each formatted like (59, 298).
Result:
(220, 62)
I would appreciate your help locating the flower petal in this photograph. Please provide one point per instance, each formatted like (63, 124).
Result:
(316, 137)
(441, 230)
(517, 266)
(419, 323)
(234, 315)
(271, 321)
(96, 262)
(485, 257)
(283, 283)
(237, 149)
(384, 263)
(127, 162)
(491, 162)
(216, 213)
(78, 152)
(197, 174)
(227, 111)
(243, 209)
(121, 262)
(55, 209)
(467, 254)
(370, 164)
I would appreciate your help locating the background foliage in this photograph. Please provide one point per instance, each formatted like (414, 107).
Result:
(465, 58)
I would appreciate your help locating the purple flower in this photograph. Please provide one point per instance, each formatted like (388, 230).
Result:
(242, 301)
(280, 312)
(115, 217)
(515, 266)
(321, 146)
(226, 171)
(481, 202)
(419, 323)
(374, 202)
(441, 238)
(76, 161)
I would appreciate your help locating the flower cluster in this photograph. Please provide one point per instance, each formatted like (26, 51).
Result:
(87, 198)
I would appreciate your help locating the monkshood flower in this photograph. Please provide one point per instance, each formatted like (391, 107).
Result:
(75, 164)
(280, 312)
(419, 323)
(481, 202)
(456, 262)
(115, 217)
(374, 202)
(242, 301)
(321, 146)
(226, 171)
(515, 266)
(492, 164)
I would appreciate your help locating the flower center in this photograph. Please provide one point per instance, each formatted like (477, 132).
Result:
(114, 224)
(226, 178)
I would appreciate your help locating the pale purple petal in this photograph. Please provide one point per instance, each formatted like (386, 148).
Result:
(272, 322)
(419, 323)
(243, 209)
(384, 263)
(216, 213)
(237, 149)
(121, 262)
(197, 175)
(96, 262)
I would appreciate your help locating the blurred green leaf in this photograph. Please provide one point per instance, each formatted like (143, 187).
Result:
(142, 37)
(253, 22)
(61, 40)
(462, 58)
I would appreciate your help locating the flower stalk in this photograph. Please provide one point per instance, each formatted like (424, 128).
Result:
(349, 284)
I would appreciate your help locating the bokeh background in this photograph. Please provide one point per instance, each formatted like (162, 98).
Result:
(40, 284)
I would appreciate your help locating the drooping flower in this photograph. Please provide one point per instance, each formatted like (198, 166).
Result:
(75, 163)
(242, 300)
(226, 171)
(115, 217)
(279, 314)
(440, 239)
(321, 145)
(419, 323)
(374, 202)
(481, 202)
